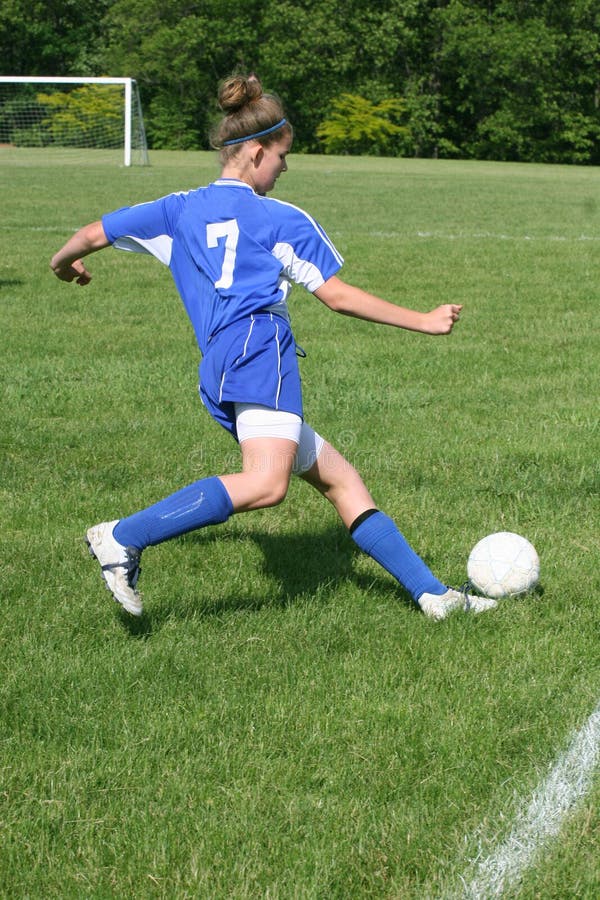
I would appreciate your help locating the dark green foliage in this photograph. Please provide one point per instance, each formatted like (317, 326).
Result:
(52, 37)
(486, 79)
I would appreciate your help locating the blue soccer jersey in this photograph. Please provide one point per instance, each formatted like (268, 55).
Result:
(232, 253)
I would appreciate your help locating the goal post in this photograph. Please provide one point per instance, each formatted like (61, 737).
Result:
(44, 111)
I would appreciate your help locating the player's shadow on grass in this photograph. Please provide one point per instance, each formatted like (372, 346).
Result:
(303, 566)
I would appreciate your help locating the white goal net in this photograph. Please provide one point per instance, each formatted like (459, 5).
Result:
(81, 113)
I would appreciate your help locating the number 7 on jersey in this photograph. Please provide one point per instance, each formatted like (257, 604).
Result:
(230, 231)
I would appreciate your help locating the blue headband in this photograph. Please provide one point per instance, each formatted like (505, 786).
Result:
(258, 134)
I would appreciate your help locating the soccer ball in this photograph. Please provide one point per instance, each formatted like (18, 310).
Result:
(503, 564)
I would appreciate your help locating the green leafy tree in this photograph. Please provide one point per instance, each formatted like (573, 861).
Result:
(356, 125)
(67, 119)
(51, 37)
(493, 79)
(520, 79)
(308, 54)
(71, 119)
(178, 51)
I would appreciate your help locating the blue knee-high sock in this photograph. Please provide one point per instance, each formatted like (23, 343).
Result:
(206, 502)
(377, 535)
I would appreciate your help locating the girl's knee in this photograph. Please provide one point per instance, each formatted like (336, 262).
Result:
(271, 492)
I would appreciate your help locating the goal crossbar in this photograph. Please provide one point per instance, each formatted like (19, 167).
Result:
(128, 84)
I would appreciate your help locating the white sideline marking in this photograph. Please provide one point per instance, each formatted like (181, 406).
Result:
(568, 781)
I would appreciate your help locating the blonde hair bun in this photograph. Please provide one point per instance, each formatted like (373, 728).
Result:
(237, 91)
(248, 113)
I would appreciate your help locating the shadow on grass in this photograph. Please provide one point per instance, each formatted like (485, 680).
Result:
(296, 567)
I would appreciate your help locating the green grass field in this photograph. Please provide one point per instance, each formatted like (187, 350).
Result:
(283, 723)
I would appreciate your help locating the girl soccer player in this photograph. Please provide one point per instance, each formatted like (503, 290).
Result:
(233, 254)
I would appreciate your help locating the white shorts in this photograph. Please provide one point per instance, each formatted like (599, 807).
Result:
(253, 421)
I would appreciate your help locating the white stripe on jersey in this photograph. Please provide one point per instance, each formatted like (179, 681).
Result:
(299, 270)
(315, 225)
(232, 182)
(159, 246)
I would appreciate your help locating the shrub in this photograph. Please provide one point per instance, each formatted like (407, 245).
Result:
(358, 126)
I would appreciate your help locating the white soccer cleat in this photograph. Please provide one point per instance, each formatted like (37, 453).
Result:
(120, 566)
(438, 606)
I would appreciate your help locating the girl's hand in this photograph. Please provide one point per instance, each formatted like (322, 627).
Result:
(75, 271)
(67, 264)
(443, 319)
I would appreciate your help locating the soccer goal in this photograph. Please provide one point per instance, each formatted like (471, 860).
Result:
(82, 113)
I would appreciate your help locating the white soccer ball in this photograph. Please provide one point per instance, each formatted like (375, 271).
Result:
(503, 564)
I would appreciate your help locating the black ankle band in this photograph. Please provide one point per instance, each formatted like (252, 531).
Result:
(362, 518)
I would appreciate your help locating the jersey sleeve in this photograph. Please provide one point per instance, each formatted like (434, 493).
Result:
(307, 254)
(147, 227)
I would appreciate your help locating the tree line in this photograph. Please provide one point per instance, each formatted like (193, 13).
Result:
(481, 79)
